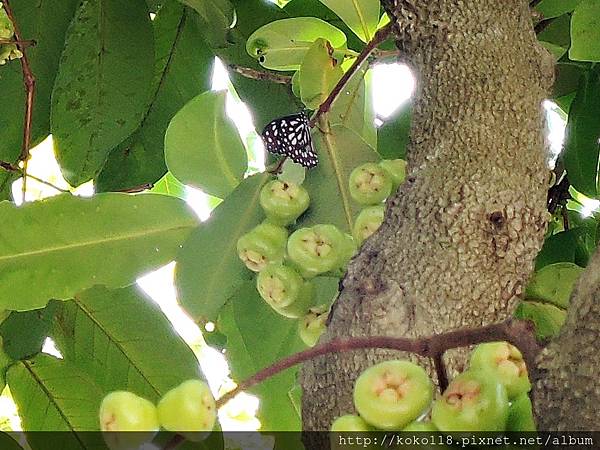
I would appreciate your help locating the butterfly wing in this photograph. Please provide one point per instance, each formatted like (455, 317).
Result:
(290, 136)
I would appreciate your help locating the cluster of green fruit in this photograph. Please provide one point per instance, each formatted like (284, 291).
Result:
(7, 31)
(188, 409)
(492, 396)
(287, 265)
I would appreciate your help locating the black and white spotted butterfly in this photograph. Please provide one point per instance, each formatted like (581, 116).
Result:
(290, 136)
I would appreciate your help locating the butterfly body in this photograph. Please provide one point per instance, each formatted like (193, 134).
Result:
(290, 136)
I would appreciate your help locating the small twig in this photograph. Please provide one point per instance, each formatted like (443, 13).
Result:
(379, 37)
(557, 194)
(135, 189)
(565, 218)
(12, 168)
(275, 169)
(29, 82)
(260, 75)
(440, 370)
(517, 332)
(25, 43)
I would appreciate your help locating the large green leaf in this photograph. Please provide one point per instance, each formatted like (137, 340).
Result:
(203, 147)
(354, 109)
(582, 149)
(169, 185)
(547, 318)
(555, 8)
(553, 283)
(24, 333)
(217, 16)
(208, 269)
(585, 32)
(183, 70)
(393, 136)
(556, 36)
(67, 244)
(318, 74)
(340, 151)
(567, 246)
(123, 341)
(103, 84)
(257, 337)
(362, 16)
(46, 21)
(55, 395)
(282, 45)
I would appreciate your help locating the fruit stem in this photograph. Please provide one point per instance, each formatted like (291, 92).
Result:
(29, 82)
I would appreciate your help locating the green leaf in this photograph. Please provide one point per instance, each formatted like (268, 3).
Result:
(46, 21)
(393, 136)
(567, 246)
(123, 341)
(208, 269)
(203, 147)
(169, 185)
(318, 74)
(103, 84)
(568, 75)
(183, 70)
(257, 337)
(362, 16)
(354, 109)
(216, 16)
(548, 319)
(282, 45)
(556, 36)
(554, 283)
(67, 244)
(24, 333)
(585, 31)
(582, 150)
(54, 395)
(340, 151)
(555, 8)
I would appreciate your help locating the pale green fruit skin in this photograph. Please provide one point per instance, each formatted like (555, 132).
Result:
(367, 222)
(389, 408)
(312, 326)
(317, 250)
(485, 410)
(279, 285)
(396, 168)
(370, 184)
(302, 304)
(350, 422)
(187, 409)
(520, 415)
(505, 362)
(283, 202)
(418, 426)
(263, 244)
(124, 411)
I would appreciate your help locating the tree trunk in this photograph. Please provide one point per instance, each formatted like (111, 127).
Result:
(461, 234)
(567, 393)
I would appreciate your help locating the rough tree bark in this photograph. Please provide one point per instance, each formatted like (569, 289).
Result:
(461, 234)
(566, 393)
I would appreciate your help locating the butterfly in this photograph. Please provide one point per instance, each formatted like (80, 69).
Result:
(290, 136)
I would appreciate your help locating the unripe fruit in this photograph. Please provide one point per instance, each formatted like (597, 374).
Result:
(302, 303)
(312, 326)
(396, 168)
(263, 244)
(283, 202)
(317, 250)
(279, 285)
(188, 409)
(391, 394)
(506, 362)
(474, 401)
(350, 422)
(418, 426)
(367, 222)
(370, 184)
(520, 415)
(125, 411)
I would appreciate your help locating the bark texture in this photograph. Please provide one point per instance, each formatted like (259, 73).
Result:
(567, 391)
(461, 234)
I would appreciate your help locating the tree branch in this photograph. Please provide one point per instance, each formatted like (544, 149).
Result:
(260, 75)
(25, 43)
(29, 82)
(379, 37)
